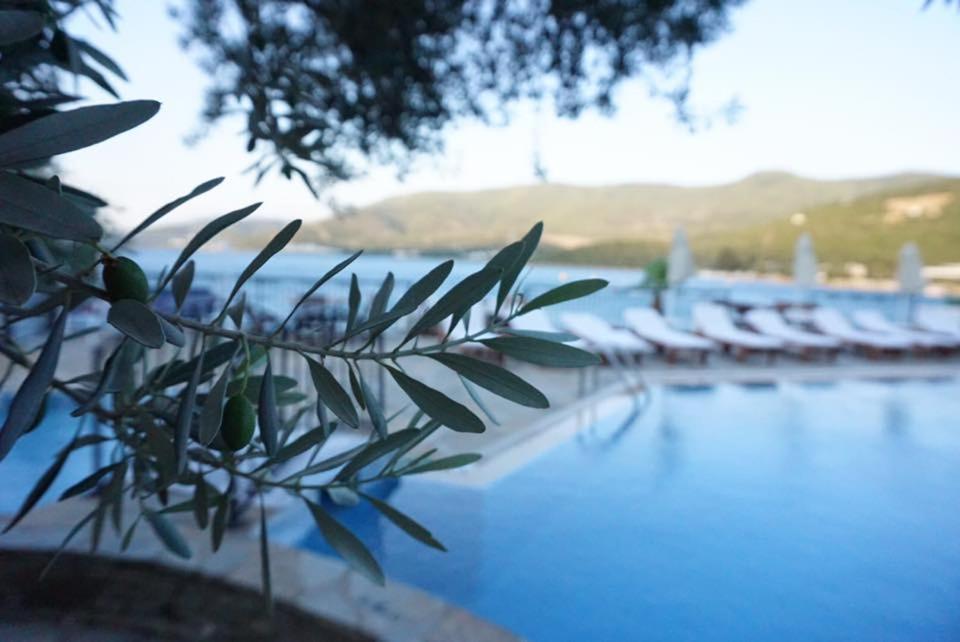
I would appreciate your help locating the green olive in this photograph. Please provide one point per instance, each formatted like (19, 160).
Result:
(124, 279)
(238, 422)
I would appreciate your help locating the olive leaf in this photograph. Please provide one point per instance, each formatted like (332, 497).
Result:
(267, 413)
(346, 544)
(408, 525)
(444, 463)
(17, 25)
(437, 405)
(168, 534)
(497, 380)
(208, 231)
(18, 278)
(29, 397)
(166, 209)
(511, 274)
(67, 131)
(339, 267)
(138, 322)
(31, 206)
(182, 282)
(332, 394)
(211, 415)
(565, 292)
(188, 402)
(276, 244)
(541, 352)
(457, 300)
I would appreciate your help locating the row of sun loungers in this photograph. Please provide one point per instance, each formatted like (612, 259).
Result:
(762, 331)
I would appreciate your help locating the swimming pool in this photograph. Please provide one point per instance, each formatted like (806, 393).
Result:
(729, 513)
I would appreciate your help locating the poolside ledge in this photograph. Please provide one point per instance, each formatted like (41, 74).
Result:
(320, 588)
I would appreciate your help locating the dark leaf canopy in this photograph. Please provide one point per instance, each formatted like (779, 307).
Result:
(325, 83)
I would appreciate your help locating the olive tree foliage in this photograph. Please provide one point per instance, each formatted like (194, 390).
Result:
(327, 84)
(190, 410)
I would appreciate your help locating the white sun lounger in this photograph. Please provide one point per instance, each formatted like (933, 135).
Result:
(830, 322)
(874, 321)
(651, 326)
(770, 323)
(940, 320)
(713, 321)
(603, 337)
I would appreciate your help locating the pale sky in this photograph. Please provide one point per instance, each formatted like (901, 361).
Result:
(829, 89)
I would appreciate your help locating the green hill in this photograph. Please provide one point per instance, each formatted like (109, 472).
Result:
(579, 216)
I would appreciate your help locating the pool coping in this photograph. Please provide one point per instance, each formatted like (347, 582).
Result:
(320, 586)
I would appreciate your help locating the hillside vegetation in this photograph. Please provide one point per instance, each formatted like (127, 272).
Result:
(577, 216)
(750, 224)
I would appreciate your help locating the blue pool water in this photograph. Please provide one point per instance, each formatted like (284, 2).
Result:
(730, 513)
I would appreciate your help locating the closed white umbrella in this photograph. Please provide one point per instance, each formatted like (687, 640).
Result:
(910, 274)
(804, 262)
(910, 270)
(680, 265)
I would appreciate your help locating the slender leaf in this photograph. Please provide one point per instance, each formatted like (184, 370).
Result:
(276, 244)
(444, 463)
(101, 58)
(355, 387)
(543, 353)
(138, 322)
(30, 206)
(18, 278)
(211, 415)
(88, 483)
(405, 523)
(212, 359)
(106, 380)
(332, 394)
(374, 409)
(42, 486)
(382, 297)
(422, 434)
(556, 337)
(28, 399)
(301, 445)
(346, 545)
(511, 274)
(565, 292)
(67, 131)
(265, 581)
(188, 402)
(172, 332)
(353, 301)
(336, 269)
(201, 507)
(221, 518)
(168, 534)
(457, 300)
(235, 311)
(166, 209)
(375, 450)
(267, 414)
(182, 282)
(497, 380)
(208, 231)
(437, 405)
(478, 400)
(16, 25)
